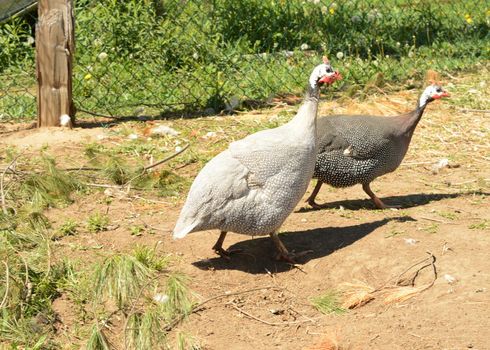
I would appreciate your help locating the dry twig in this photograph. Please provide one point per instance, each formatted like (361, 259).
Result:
(7, 278)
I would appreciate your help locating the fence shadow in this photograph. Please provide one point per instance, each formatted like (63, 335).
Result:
(257, 254)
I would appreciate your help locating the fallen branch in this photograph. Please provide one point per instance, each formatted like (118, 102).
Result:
(199, 306)
(2, 179)
(7, 278)
(469, 110)
(267, 322)
(146, 168)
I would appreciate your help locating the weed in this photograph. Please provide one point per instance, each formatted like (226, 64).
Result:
(482, 225)
(328, 303)
(432, 228)
(394, 233)
(97, 222)
(136, 230)
(68, 228)
(148, 257)
(448, 215)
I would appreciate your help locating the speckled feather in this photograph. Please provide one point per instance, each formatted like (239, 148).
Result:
(357, 149)
(254, 185)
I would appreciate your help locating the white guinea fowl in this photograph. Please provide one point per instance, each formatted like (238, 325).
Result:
(252, 187)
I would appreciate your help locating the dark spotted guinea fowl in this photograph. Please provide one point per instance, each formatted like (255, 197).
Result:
(358, 149)
(253, 186)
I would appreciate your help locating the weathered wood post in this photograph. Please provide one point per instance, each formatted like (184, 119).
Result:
(55, 46)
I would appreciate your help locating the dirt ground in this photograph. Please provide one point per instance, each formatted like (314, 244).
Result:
(265, 304)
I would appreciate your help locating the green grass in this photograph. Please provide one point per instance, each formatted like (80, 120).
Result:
(482, 225)
(328, 303)
(97, 222)
(203, 55)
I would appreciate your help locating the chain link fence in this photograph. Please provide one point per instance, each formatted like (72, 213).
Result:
(155, 57)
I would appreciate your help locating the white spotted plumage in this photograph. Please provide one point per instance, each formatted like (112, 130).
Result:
(251, 187)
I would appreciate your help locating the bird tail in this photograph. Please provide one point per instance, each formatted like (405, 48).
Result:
(182, 229)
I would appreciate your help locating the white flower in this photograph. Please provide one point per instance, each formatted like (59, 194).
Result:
(355, 19)
(375, 62)
(30, 40)
(340, 55)
(398, 44)
(304, 46)
(324, 10)
(178, 149)
(411, 54)
(195, 55)
(132, 136)
(102, 56)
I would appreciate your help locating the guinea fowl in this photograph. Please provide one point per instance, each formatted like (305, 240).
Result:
(253, 186)
(358, 149)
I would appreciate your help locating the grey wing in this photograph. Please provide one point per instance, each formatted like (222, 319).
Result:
(264, 154)
(355, 137)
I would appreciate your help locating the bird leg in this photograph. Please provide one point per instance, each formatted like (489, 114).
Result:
(376, 200)
(282, 252)
(311, 198)
(218, 247)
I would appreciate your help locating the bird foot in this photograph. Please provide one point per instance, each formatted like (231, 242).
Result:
(315, 205)
(291, 257)
(226, 254)
(380, 205)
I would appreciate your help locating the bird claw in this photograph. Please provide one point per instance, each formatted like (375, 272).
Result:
(226, 254)
(315, 205)
(291, 257)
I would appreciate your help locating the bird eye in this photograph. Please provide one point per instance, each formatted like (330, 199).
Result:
(438, 90)
(329, 70)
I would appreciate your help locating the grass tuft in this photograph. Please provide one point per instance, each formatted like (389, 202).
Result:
(328, 303)
(98, 340)
(121, 278)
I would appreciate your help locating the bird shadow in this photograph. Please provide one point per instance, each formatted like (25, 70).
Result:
(256, 255)
(403, 202)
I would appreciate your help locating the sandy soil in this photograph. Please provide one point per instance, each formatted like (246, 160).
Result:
(442, 215)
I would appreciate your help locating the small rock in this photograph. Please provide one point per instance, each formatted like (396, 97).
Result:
(163, 130)
(276, 311)
(410, 241)
(65, 120)
(108, 192)
(449, 279)
(443, 163)
(132, 136)
(209, 135)
(178, 149)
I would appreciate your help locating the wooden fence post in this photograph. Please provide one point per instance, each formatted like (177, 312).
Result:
(55, 47)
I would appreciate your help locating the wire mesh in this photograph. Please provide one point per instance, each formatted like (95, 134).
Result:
(154, 57)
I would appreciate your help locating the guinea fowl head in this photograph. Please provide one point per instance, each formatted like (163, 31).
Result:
(323, 74)
(431, 93)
